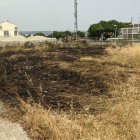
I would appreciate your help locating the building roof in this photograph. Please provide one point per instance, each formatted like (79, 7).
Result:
(130, 28)
(134, 23)
(8, 22)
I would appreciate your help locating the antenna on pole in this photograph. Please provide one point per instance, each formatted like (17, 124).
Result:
(75, 16)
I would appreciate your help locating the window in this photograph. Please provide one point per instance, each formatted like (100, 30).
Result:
(0, 27)
(6, 33)
(129, 30)
(124, 30)
(15, 33)
(130, 36)
(135, 36)
(124, 35)
(135, 31)
(135, 25)
(16, 28)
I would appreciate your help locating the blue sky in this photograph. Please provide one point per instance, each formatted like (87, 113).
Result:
(50, 15)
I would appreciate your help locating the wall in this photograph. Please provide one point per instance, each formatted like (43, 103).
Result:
(37, 42)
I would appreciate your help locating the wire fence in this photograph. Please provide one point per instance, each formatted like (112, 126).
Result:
(90, 40)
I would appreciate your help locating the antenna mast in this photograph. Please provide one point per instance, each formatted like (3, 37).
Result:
(75, 16)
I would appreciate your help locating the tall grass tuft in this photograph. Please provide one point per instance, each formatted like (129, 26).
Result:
(128, 56)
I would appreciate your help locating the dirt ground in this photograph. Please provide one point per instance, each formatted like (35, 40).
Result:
(72, 91)
(58, 77)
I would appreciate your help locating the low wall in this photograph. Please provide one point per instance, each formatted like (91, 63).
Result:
(15, 43)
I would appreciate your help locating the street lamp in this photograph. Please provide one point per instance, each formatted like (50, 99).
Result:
(115, 33)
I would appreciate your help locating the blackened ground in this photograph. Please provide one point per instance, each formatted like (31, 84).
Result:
(37, 74)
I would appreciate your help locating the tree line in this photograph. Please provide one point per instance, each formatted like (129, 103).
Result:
(95, 30)
(107, 28)
(58, 35)
(64, 34)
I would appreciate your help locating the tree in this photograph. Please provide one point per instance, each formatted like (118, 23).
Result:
(106, 27)
(80, 34)
(58, 35)
(55, 34)
(95, 30)
(39, 34)
(67, 33)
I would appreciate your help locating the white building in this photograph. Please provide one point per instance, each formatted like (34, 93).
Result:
(131, 32)
(8, 29)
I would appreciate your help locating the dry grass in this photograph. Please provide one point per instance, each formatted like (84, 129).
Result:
(25, 47)
(125, 56)
(119, 121)
(51, 125)
(88, 58)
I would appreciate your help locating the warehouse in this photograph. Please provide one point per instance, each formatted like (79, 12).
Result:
(8, 29)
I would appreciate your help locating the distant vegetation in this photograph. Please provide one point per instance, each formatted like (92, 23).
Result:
(95, 30)
(57, 34)
(106, 27)
(40, 34)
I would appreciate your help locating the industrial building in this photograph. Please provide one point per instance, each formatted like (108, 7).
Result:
(8, 29)
(131, 33)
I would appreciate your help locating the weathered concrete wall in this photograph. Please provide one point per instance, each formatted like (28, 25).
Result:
(15, 43)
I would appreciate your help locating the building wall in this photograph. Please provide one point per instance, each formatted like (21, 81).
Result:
(6, 26)
(131, 32)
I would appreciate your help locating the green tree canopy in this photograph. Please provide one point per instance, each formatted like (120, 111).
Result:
(80, 34)
(39, 34)
(57, 34)
(106, 27)
(68, 33)
(95, 30)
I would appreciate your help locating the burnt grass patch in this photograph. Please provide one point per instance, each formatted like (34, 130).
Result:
(41, 78)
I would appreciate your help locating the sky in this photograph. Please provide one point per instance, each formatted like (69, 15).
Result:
(57, 15)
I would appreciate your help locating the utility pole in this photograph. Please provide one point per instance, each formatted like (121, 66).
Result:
(75, 17)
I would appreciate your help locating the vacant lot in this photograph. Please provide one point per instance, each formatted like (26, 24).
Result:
(73, 91)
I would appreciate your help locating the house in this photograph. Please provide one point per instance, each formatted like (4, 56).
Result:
(131, 33)
(8, 29)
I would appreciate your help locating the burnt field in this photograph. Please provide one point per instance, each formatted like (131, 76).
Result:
(56, 76)
(87, 90)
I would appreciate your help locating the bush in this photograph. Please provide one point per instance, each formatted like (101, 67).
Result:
(29, 45)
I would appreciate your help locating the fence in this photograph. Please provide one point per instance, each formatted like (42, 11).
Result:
(91, 40)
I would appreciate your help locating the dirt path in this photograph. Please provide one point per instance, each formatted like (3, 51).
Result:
(9, 130)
